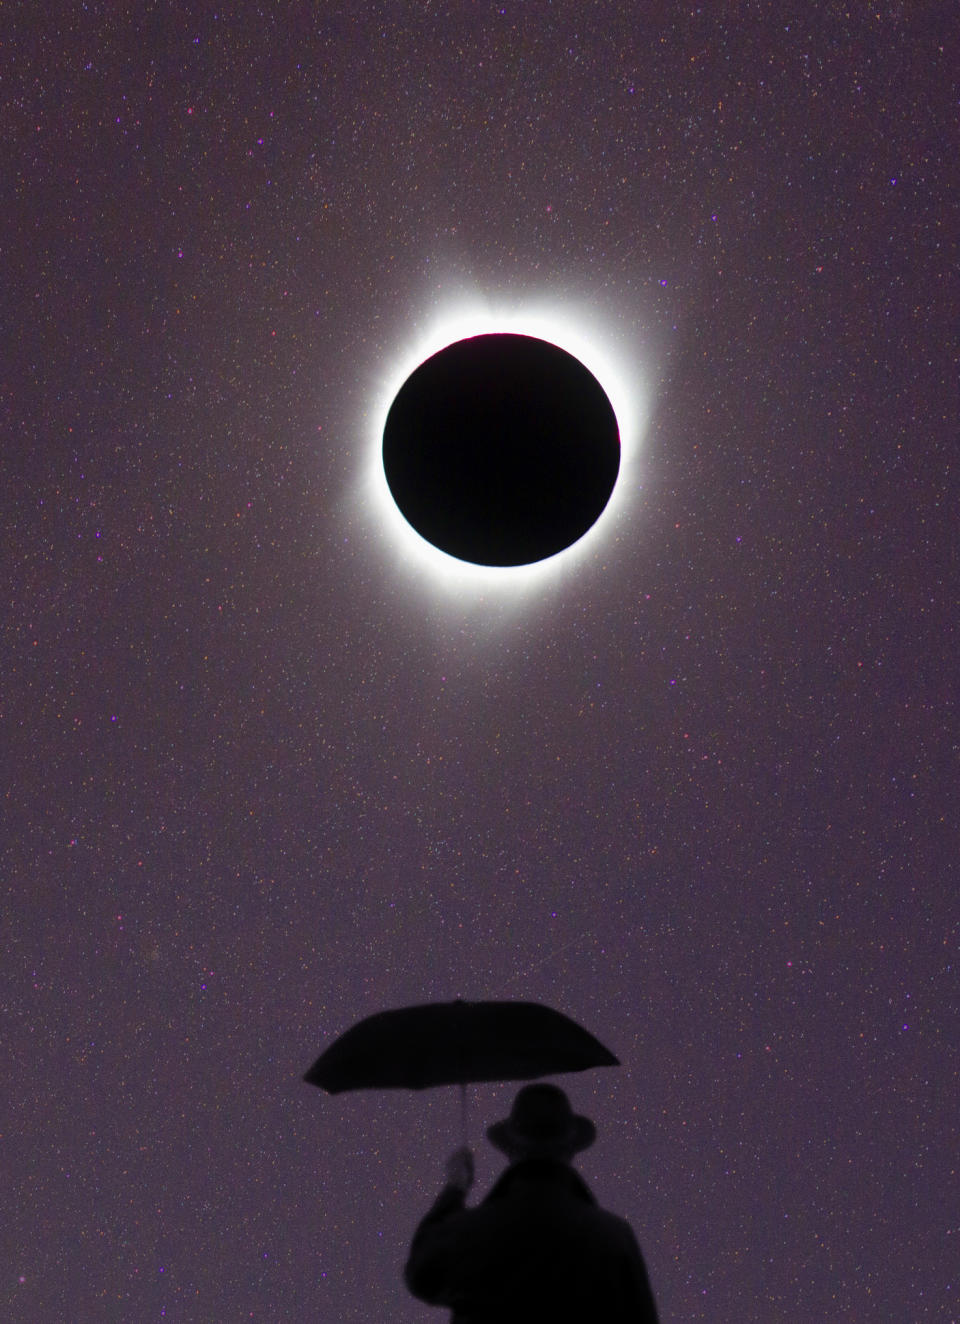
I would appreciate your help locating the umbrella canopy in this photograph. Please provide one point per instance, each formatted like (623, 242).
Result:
(456, 1043)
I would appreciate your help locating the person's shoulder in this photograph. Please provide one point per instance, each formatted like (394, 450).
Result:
(617, 1228)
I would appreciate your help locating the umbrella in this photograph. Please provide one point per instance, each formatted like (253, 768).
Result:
(454, 1043)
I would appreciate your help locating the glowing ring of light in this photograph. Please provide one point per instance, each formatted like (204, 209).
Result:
(625, 390)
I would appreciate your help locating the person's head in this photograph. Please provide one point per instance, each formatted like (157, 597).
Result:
(542, 1125)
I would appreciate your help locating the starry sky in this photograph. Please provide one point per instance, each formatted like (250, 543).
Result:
(268, 769)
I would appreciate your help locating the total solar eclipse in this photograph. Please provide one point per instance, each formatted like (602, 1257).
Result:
(501, 449)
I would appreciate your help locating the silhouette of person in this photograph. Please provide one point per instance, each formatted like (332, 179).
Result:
(538, 1249)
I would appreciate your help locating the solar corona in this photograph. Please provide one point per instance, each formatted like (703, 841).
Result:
(500, 448)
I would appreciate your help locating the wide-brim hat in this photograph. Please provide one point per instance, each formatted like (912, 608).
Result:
(542, 1125)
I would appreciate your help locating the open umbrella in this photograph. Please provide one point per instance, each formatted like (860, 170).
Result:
(456, 1043)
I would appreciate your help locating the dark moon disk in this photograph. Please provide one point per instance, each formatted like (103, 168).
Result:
(501, 449)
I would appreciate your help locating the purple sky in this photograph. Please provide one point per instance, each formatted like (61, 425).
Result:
(267, 771)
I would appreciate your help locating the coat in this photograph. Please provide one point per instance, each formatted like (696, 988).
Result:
(537, 1250)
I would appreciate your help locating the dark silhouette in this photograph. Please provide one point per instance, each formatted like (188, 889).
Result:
(448, 1043)
(501, 449)
(538, 1249)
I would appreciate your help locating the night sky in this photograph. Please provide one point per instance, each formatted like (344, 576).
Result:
(269, 769)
